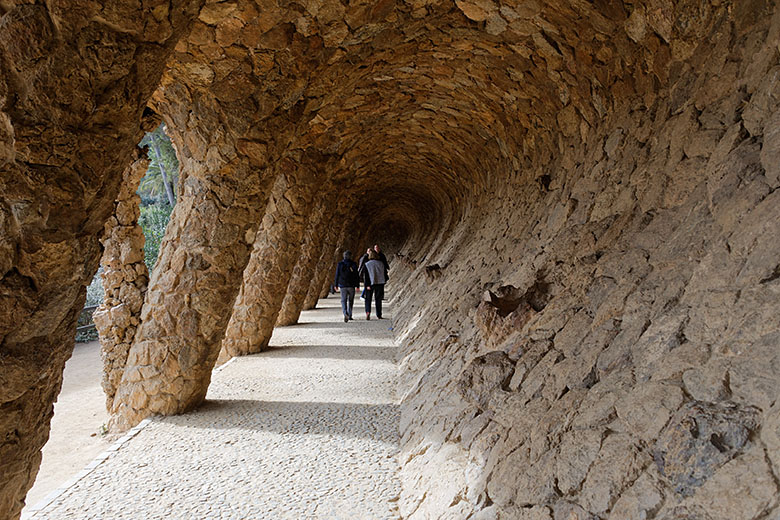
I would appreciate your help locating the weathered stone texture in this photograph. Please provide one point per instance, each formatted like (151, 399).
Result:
(275, 253)
(643, 386)
(581, 199)
(297, 290)
(325, 266)
(72, 96)
(192, 289)
(125, 279)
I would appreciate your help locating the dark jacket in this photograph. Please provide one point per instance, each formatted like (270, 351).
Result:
(347, 274)
(363, 260)
(383, 259)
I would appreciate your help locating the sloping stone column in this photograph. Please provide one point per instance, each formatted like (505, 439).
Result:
(57, 189)
(326, 286)
(125, 279)
(206, 248)
(304, 269)
(325, 268)
(274, 256)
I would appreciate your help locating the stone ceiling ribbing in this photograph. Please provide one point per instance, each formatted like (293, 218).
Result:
(412, 88)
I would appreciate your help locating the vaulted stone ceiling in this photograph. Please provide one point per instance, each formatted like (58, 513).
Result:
(394, 88)
(606, 169)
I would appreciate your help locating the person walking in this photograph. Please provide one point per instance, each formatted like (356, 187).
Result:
(362, 272)
(374, 279)
(347, 280)
(363, 260)
(382, 258)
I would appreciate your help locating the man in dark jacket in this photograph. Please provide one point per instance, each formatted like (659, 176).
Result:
(382, 258)
(347, 281)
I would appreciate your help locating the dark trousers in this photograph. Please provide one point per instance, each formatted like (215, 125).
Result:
(378, 291)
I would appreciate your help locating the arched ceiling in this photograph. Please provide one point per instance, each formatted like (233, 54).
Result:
(422, 100)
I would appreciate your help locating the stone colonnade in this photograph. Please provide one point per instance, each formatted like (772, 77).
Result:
(125, 280)
(192, 289)
(607, 171)
(303, 273)
(275, 254)
(331, 244)
(71, 110)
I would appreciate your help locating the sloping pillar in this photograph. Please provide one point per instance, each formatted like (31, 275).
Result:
(192, 290)
(64, 141)
(310, 255)
(274, 256)
(326, 267)
(125, 279)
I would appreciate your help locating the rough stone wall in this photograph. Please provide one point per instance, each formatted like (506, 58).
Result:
(603, 343)
(63, 67)
(125, 279)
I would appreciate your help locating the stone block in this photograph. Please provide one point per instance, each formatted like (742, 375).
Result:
(699, 439)
(618, 464)
(642, 500)
(647, 408)
(742, 489)
(576, 453)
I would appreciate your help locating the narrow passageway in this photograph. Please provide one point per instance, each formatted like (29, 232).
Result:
(308, 429)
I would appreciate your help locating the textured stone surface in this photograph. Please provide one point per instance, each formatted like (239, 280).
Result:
(125, 279)
(192, 289)
(583, 195)
(647, 379)
(71, 104)
(276, 252)
(298, 288)
(325, 266)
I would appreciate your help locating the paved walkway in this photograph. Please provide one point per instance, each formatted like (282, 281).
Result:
(307, 430)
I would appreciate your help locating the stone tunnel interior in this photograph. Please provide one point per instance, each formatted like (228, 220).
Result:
(578, 198)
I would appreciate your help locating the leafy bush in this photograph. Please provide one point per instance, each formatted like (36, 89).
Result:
(95, 289)
(94, 297)
(149, 200)
(153, 220)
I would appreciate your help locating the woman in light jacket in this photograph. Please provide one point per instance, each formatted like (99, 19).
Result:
(374, 280)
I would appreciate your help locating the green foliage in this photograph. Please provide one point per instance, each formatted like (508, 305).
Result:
(163, 165)
(153, 220)
(95, 289)
(94, 297)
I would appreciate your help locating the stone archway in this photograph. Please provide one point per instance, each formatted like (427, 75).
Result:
(582, 198)
(65, 139)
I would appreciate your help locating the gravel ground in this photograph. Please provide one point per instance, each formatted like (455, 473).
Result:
(306, 430)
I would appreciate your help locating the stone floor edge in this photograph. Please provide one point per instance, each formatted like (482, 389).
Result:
(31, 511)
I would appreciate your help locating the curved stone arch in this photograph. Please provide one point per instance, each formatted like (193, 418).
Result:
(65, 139)
(556, 141)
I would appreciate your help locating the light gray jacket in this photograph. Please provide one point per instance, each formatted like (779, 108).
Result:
(376, 271)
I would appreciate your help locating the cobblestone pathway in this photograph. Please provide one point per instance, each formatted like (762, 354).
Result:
(307, 430)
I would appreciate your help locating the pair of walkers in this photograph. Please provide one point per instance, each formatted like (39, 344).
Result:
(372, 271)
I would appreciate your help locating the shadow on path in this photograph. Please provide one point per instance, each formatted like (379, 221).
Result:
(378, 422)
(360, 352)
